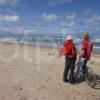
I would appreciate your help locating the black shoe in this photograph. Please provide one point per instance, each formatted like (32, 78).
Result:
(84, 72)
(65, 80)
(74, 82)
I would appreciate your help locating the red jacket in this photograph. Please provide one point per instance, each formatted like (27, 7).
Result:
(87, 46)
(69, 48)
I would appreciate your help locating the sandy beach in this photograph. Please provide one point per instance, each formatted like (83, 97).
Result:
(29, 72)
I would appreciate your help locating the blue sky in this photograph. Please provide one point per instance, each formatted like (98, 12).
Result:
(50, 16)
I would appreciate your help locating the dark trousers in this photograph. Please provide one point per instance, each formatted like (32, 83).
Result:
(84, 66)
(69, 69)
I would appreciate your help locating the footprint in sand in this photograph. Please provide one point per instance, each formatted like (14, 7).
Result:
(92, 62)
(18, 88)
(23, 98)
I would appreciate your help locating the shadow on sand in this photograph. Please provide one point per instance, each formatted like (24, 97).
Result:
(97, 85)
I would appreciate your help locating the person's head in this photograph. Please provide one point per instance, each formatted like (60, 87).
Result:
(85, 36)
(69, 38)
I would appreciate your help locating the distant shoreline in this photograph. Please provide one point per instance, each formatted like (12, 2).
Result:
(43, 45)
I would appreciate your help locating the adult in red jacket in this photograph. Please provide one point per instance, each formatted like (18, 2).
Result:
(87, 47)
(69, 51)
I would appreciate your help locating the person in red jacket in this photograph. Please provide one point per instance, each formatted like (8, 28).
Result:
(69, 51)
(87, 48)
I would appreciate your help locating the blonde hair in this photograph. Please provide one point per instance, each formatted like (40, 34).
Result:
(85, 36)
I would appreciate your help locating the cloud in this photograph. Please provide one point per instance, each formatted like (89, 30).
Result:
(71, 16)
(67, 24)
(8, 2)
(53, 3)
(69, 21)
(90, 12)
(94, 20)
(49, 16)
(9, 18)
(71, 24)
(28, 30)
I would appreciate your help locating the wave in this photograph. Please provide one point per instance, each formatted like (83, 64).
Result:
(8, 40)
(48, 41)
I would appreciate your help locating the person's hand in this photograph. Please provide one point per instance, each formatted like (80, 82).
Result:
(77, 59)
(59, 51)
(60, 54)
(76, 62)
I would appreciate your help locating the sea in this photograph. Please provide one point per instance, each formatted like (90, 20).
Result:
(48, 40)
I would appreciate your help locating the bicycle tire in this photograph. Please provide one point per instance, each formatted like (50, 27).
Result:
(90, 77)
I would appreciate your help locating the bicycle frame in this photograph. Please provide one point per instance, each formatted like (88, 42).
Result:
(89, 75)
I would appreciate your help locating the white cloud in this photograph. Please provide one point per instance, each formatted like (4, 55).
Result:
(53, 3)
(71, 24)
(28, 30)
(10, 2)
(71, 16)
(49, 16)
(70, 20)
(90, 12)
(67, 24)
(9, 18)
(94, 20)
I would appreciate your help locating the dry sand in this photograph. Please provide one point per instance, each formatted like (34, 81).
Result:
(34, 73)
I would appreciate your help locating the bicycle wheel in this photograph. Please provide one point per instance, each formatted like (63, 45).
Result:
(90, 77)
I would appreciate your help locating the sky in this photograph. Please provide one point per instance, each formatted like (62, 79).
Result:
(50, 16)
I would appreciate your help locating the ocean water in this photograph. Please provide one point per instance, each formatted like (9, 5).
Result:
(48, 40)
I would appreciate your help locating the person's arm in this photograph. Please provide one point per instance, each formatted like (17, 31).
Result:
(60, 52)
(66, 48)
(64, 43)
(82, 53)
(77, 57)
(61, 49)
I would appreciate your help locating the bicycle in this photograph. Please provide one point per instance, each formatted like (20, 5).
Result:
(90, 77)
